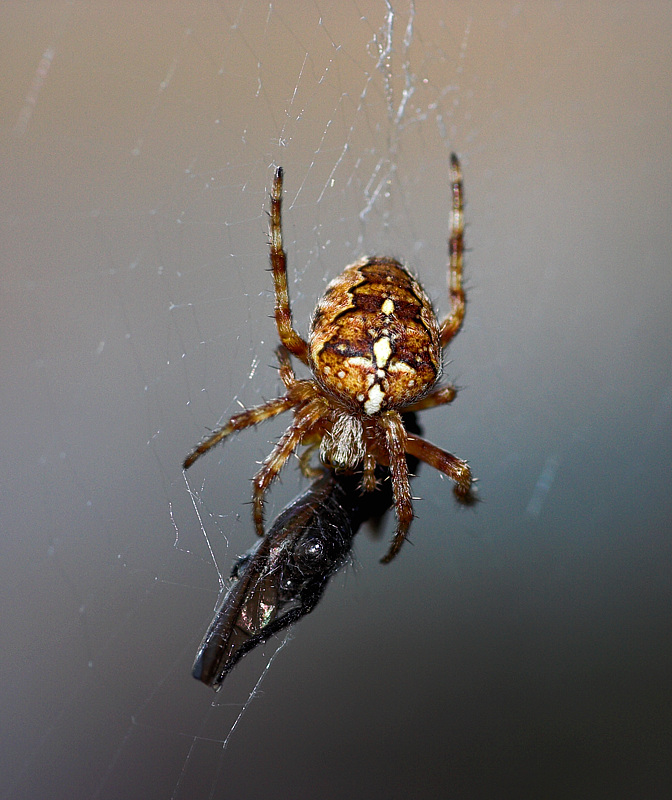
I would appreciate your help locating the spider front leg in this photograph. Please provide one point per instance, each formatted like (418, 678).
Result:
(451, 325)
(283, 314)
(396, 444)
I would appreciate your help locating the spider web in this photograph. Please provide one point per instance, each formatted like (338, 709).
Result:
(138, 146)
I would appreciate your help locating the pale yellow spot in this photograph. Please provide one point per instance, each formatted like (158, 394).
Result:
(359, 361)
(388, 307)
(376, 397)
(382, 350)
(400, 366)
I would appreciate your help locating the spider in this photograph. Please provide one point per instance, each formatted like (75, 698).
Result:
(374, 350)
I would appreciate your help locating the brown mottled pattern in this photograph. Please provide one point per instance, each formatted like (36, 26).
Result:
(349, 320)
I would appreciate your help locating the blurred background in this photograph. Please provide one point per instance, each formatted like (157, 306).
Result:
(518, 649)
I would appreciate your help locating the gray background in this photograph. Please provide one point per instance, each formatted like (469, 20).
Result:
(521, 649)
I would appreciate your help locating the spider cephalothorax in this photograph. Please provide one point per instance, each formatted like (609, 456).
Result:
(374, 350)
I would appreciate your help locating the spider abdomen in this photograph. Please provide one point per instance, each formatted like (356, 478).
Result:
(374, 338)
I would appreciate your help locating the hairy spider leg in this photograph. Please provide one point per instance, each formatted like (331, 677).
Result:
(301, 391)
(257, 414)
(451, 325)
(437, 397)
(307, 469)
(452, 466)
(247, 418)
(306, 417)
(369, 473)
(286, 370)
(283, 314)
(396, 443)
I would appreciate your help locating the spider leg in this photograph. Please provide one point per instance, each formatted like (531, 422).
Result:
(396, 443)
(305, 418)
(369, 473)
(252, 416)
(283, 313)
(456, 469)
(451, 325)
(439, 397)
(304, 462)
(287, 375)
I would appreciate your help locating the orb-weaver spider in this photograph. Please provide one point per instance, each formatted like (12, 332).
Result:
(374, 350)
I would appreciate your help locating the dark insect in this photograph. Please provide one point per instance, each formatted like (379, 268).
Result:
(283, 577)
(374, 351)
